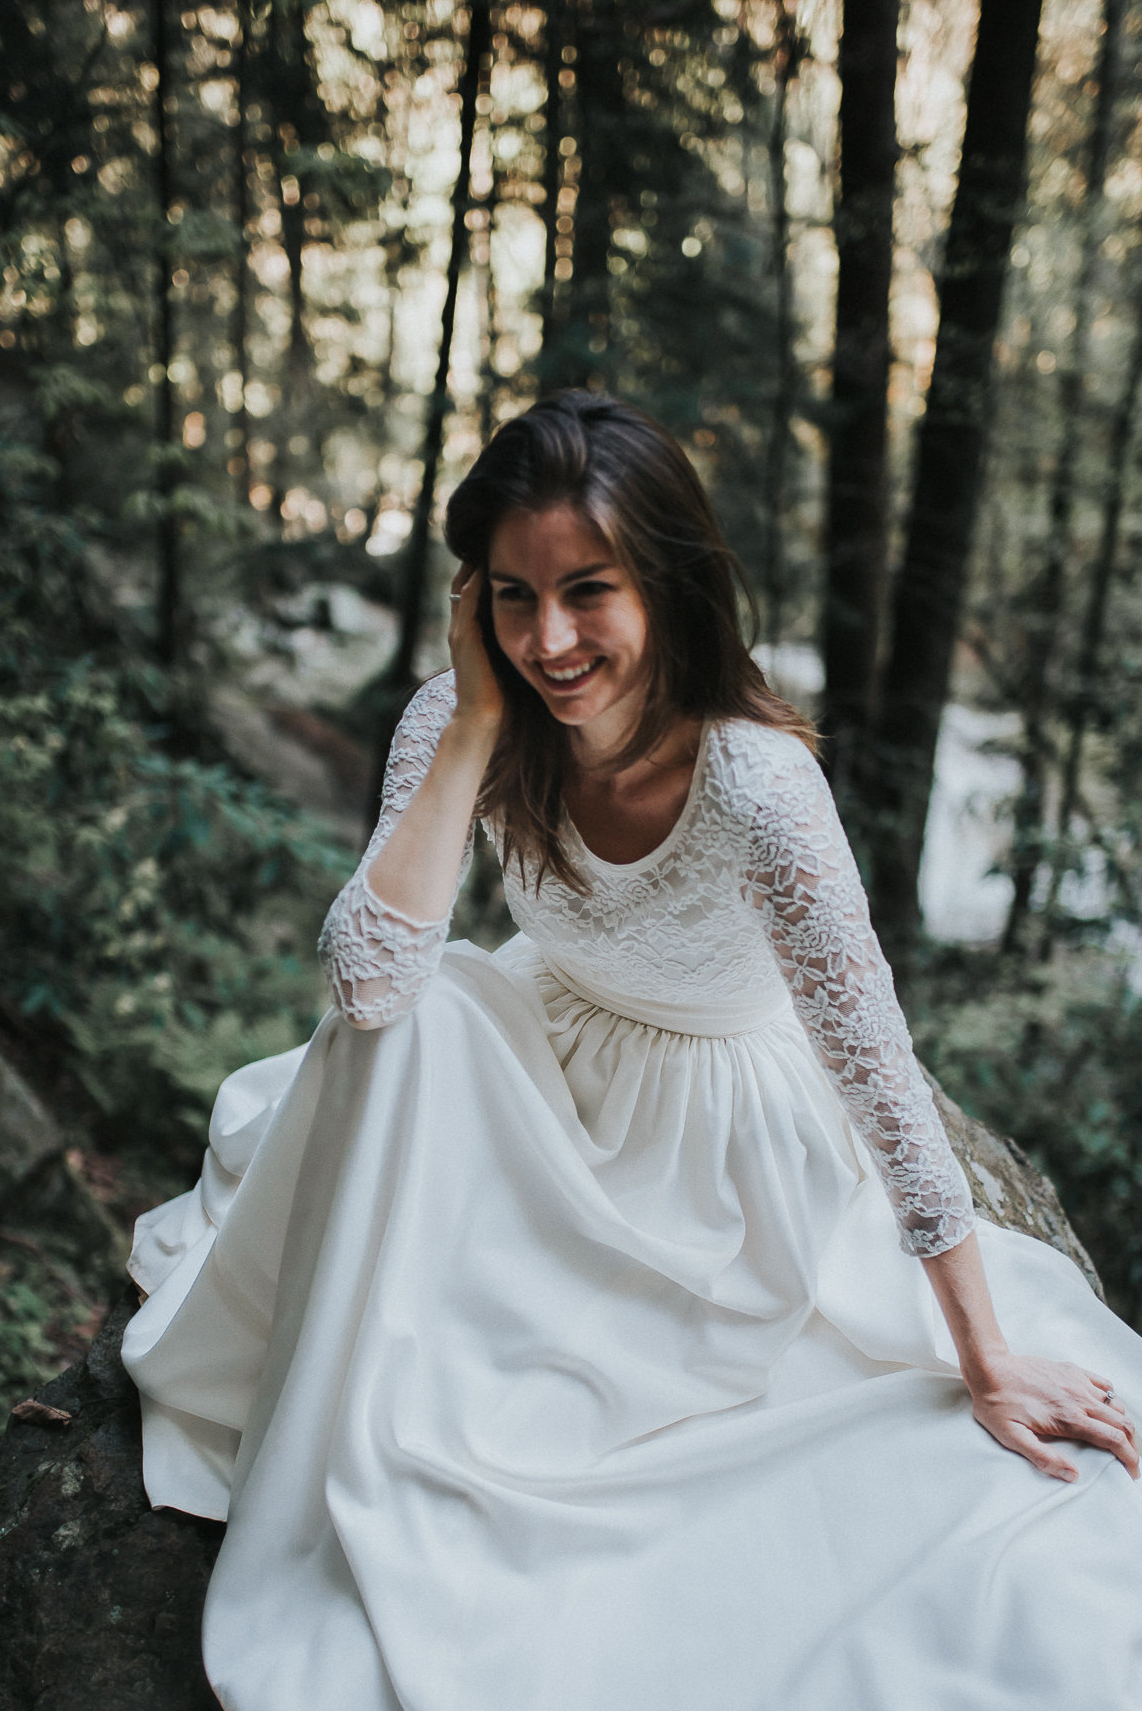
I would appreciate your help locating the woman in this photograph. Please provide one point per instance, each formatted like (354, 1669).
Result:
(544, 1331)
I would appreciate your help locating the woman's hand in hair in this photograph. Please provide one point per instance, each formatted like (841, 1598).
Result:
(479, 698)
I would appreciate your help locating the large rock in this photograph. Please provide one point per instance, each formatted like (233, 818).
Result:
(102, 1596)
(1007, 1189)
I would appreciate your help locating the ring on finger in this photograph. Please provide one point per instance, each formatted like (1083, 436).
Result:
(1108, 1396)
(455, 601)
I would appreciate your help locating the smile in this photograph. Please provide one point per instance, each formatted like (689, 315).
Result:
(571, 674)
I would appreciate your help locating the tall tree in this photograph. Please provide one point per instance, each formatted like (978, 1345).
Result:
(553, 69)
(241, 315)
(1043, 607)
(399, 679)
(929, 589)
(790, 49)
(596, 50)
(1086, 700)
(857, 517)
(290, 87)
(169, 598)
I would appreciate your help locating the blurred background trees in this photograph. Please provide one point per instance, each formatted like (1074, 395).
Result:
(272, 270)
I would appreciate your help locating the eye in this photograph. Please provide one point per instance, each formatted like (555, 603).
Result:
(510, 592)
(591, 589)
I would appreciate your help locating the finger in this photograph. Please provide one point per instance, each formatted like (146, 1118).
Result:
(1100, 1384)
(1113, 1414)
(1114, 1439)
(1040, 1455)
(463, 594)
(1108, 1435)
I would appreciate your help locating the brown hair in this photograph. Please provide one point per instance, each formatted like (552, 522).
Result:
(633, 481)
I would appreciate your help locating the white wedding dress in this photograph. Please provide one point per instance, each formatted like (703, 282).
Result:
(555, 1345)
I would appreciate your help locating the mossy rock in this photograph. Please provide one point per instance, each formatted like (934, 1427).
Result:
(101, 1595)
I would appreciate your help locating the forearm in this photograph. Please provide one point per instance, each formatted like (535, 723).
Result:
(416, 869)
(960, 1285)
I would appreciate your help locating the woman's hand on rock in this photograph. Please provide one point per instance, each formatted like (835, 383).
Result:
(1027, 1403)
(479, 698)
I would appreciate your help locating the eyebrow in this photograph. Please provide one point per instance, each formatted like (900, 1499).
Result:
(572, 575)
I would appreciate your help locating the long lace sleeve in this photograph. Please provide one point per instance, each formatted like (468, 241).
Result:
(802, 876)
(377, 960)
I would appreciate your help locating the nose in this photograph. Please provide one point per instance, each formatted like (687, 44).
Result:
(555, 630)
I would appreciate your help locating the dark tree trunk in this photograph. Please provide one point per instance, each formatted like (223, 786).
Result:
(552, 172)
(302, 121)
(857, 523)
(1040, 639)
(241, 459)
(603, 170)
(929, 590)
(482, 248)
(787, 58)
(486, 404)
(168, 616)
(1085, 702)
(399, 680)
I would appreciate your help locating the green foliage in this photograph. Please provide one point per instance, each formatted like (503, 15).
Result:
(157, 911)
(149, 905)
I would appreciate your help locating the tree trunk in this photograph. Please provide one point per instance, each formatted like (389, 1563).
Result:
(1040, 639)
(599, 102)
(240, 327)
(787, 58)
(552, 174)
(857, 517)
(488, 308)
(168, 616)
(301, 120)
(398, 678)
(1084, 703)
(929, 590)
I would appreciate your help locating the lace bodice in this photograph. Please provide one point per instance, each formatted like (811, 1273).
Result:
(753, 893)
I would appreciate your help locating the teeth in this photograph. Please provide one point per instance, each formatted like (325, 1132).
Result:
(570, 675)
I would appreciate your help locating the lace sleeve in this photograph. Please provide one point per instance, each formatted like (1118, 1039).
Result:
(802, 876)
(376, 959)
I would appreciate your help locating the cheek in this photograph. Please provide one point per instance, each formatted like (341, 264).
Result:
(637, 634)
(508, 630)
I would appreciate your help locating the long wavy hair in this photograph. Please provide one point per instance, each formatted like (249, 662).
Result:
(632, 480)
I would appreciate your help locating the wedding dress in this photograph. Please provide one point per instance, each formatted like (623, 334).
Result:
(556, 1346)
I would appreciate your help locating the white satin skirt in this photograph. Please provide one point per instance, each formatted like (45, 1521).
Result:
(545, 1359)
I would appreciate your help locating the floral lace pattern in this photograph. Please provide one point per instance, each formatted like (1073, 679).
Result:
(754, 891)
(801, 876)
(377, 960)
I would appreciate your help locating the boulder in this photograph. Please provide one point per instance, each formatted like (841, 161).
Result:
(102, 1596)
(1006, 1188)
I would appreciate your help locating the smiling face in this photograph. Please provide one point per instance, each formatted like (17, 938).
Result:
(571, 620)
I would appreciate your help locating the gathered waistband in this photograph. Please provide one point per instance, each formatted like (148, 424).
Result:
(704, 1018)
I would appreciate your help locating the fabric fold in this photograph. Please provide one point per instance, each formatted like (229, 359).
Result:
(546, 1360)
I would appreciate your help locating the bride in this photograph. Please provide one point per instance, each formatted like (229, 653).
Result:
(603, 1325)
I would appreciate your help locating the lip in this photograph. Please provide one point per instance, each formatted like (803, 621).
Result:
(572, 685)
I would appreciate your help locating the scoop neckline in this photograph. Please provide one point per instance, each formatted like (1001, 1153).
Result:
(676, 829)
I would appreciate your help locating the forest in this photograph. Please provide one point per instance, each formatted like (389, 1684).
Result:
(273, 270)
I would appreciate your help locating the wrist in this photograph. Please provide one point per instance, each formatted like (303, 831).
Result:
(472, 734)
(982, 1366)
